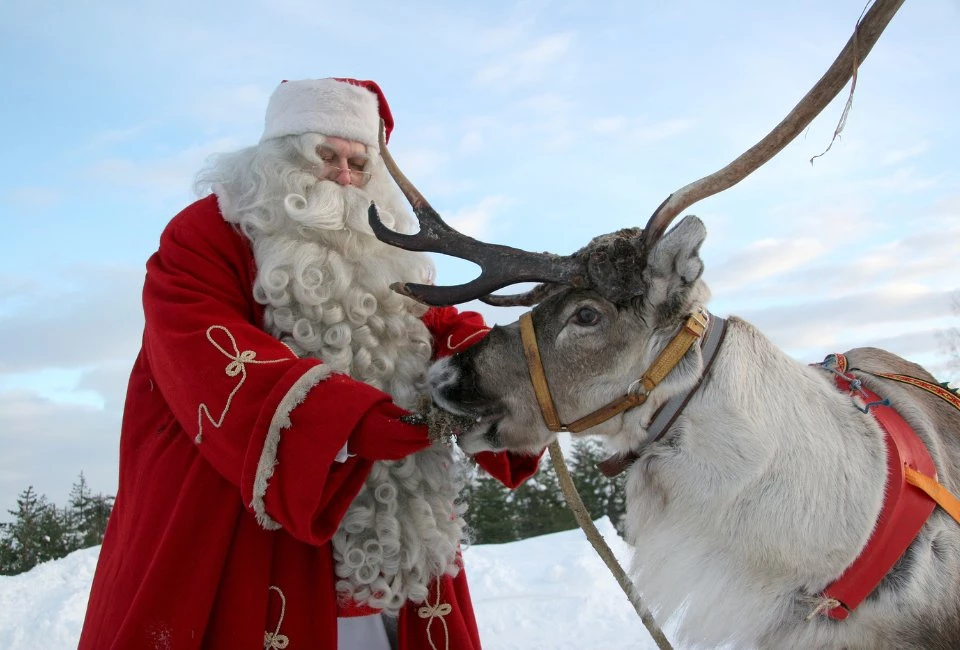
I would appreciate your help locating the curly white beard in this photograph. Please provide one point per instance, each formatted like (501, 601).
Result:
(325, 281)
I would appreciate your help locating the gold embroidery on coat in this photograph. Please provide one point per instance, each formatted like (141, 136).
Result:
(436, 610)
(274, 640)
(453, 346)
(237, 366)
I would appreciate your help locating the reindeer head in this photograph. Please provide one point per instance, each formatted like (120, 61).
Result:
(593, 344)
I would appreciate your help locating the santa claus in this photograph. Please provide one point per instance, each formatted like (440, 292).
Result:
(270, 495)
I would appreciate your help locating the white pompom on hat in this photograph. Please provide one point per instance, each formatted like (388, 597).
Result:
(343, 108)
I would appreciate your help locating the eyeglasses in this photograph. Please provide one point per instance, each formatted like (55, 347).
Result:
(358, 178)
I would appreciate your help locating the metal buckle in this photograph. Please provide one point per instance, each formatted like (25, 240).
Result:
(637, 388)
(701, 318)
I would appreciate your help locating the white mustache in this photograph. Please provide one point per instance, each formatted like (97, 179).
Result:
(330, 206)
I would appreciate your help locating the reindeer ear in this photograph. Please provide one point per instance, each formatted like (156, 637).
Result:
(678, 252)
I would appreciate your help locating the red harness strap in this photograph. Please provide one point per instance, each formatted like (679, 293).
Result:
(905, 508)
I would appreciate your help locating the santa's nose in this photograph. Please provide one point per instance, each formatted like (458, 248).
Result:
(343, 176)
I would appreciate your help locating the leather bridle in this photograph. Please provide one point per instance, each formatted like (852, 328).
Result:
(637, 392)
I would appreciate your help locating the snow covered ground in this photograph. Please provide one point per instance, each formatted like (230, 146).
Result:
(551, 593)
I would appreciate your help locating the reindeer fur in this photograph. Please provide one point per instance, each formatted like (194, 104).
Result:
(766, 487)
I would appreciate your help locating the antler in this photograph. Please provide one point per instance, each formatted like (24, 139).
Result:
(500, 265)
(865, 35)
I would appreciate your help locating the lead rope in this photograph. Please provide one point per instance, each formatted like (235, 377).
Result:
(582, 515)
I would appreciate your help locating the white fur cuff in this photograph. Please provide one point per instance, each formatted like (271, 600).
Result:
(281, 420)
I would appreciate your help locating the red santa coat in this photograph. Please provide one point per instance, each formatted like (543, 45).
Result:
(185, 563)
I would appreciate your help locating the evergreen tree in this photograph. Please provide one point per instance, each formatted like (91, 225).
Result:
(490, 514)
(591, 484)
(540, 505)
(8, 551)
(601, 495)
(101, 506)
(88, 515)
(40, 531)
(37, 534)
(537, 507)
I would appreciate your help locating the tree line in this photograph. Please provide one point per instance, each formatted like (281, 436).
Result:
(41, 531)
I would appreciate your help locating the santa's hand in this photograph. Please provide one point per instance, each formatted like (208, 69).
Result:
(383, 435)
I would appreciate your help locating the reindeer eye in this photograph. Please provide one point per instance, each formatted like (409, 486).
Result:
(587, 316)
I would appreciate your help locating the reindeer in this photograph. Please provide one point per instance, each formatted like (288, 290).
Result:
(772, 503)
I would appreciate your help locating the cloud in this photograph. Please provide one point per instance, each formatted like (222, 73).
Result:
(896, 156)
(240, 104)
(474, 220)
(162, 176)
(766, 259)
(908, 180)
(47, 444)
(422, 162)
(661, 130)
(637, 130)
(81, 318)
(859, 315)
(13, 289)
(826, 254)
(527, 66)
(62, 384)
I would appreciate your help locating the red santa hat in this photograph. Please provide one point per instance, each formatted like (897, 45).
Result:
(344, 108)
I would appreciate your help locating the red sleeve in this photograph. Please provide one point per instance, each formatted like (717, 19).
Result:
(270, 423)
(454, 331)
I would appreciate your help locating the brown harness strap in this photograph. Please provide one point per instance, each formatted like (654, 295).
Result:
(637, 392)
(537, 376)
(667, 414)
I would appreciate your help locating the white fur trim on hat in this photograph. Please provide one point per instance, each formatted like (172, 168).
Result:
(325, 106)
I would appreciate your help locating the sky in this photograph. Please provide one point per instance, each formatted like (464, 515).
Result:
(538, 124)
(544, 593)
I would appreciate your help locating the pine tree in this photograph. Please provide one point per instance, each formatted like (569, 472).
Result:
(537, 507)
(101, 506)
(8, 551)
(490, 513)
(601, 495)
(540, 505)
(37, 534)
(590, 483)
(88, 515)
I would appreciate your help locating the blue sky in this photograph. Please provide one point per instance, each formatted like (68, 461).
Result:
(537, 124)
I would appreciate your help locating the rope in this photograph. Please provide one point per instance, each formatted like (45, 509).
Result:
(582, 516)
(274, 640)
(832, 364)
(823, 605)
(436, 610)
